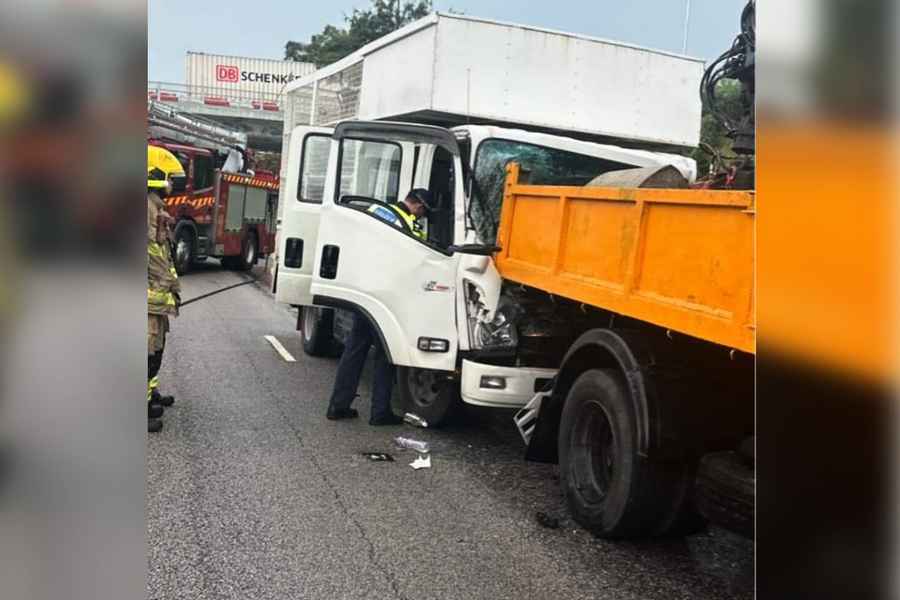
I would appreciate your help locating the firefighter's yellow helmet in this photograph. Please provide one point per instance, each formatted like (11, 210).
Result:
(14, 95)
(161, 165)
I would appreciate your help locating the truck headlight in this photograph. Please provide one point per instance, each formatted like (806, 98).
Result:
(498, 331)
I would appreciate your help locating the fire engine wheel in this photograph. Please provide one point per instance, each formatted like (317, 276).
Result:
(433, 395)
(184, 250)
(611, 490)
(249, 252)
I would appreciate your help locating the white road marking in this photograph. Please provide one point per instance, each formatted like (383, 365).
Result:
(280, 349)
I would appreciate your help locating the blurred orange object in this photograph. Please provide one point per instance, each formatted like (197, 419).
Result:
(825, 246)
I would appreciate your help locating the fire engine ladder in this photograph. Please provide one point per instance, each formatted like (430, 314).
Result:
(165, 122)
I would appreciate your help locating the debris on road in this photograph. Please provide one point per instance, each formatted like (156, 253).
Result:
(412, 444)
(545, 520)
(378, 456)
(423, 462)
(415, 420)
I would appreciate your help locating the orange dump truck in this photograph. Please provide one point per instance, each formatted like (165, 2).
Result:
(651, 413)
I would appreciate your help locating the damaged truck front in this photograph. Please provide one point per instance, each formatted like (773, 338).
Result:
(505, 340)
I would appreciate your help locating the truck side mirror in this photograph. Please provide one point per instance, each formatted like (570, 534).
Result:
(476, 249)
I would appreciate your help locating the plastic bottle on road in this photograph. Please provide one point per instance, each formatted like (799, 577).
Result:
(415, 420)
(417, 445)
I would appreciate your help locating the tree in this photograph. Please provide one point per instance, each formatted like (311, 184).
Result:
(712, 132)
(363, 26)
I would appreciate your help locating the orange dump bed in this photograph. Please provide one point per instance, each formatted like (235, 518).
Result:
(680, 259)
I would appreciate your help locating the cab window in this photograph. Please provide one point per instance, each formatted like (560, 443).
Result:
(369, 170)
(313, 166)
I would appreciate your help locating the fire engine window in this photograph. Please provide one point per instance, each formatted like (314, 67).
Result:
(203, 172)
(185, 161)
(313, 164)
(181, 183)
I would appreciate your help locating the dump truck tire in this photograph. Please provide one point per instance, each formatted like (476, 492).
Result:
(725, 491)
(611, 490)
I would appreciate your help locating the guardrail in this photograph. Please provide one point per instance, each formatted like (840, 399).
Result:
(213, 96)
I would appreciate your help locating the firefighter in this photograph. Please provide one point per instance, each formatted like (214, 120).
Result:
(163, 287)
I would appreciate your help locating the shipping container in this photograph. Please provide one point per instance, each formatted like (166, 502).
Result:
(449, 69)
(220, 76)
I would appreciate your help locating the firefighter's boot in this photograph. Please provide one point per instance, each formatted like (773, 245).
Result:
(154, 411)
(157, 398)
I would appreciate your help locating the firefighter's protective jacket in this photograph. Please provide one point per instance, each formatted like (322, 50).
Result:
(162, 280)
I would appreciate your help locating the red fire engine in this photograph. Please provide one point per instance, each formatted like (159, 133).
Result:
(225, 210)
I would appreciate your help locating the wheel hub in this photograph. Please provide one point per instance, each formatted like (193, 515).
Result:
(594, 453)
(182, 251)
(424, 386)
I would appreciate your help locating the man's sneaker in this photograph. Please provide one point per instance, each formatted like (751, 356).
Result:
(154, 411)
(341, 413)
(154, 425)
(388, 419)
(157, 398)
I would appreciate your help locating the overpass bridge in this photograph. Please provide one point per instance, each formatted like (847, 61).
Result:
(259, 115)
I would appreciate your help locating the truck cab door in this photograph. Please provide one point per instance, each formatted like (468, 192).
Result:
(403, 285)
(302, 202)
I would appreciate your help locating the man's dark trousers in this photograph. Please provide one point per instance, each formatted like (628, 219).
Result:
(362, 335)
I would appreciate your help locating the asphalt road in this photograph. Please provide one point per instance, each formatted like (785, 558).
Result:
(253, 494)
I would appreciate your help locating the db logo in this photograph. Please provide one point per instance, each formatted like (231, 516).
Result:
(227, 73)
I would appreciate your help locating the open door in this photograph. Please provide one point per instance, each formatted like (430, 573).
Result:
(304, 189)
(404, 285)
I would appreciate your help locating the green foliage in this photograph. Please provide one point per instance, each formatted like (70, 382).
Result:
(361, 27)
(712, 132)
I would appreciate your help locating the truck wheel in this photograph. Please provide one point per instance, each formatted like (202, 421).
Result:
(316, 330)
(610, 489)
(433, 395)
(249, 252)
(724, 494)
(184, 250)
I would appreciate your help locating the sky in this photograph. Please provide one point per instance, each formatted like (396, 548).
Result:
(260, 29)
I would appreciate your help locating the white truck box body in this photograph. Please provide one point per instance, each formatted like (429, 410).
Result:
(453, 69)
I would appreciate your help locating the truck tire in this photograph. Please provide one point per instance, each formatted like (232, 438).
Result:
(611, 490)
(316, 330)
(433, 395)
(184, 250)
(249, 252)
(725, 491)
